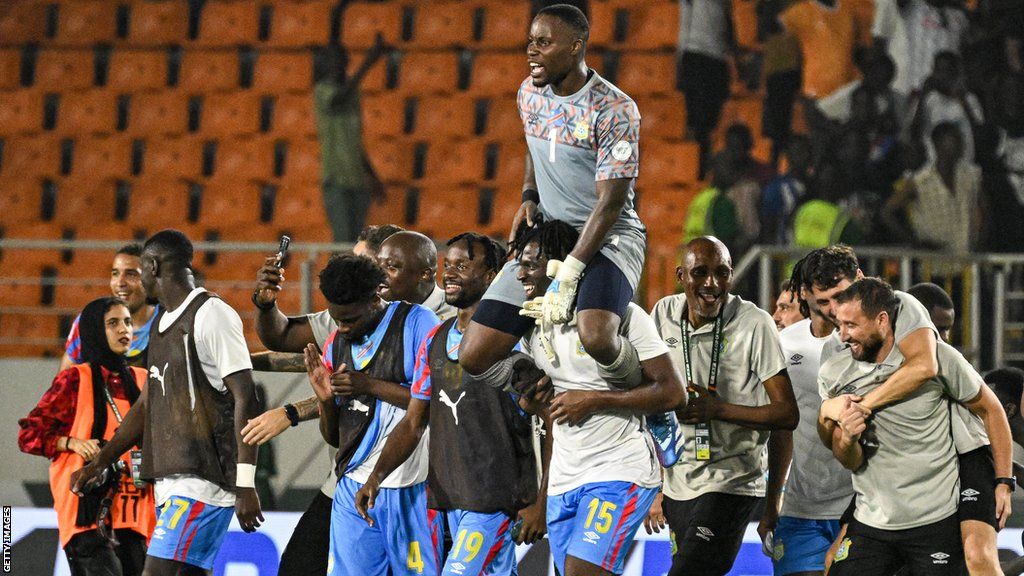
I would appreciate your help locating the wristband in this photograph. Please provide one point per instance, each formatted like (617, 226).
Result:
(245, 475)
(292, 413)
(531, 195)
(257, 304)
(1011, 483)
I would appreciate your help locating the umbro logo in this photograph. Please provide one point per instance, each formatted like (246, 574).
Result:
(458, 567)
(705, 533)
(940, 558)
(591, 537)
(969, 495)
(671, 341)
(795, 359)
(159, 533)
(532, 119)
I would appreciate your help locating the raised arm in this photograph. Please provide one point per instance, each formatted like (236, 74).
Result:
(402, 442)
(320, 380)
(920, 365)
(276, 331)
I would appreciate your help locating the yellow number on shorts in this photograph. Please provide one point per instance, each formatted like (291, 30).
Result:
(415, 559)
(182, 506)
(472, 542)
(604, 516)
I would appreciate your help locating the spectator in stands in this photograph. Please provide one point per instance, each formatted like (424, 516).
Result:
(822, 221)
(83, 407)
(781, 61)
(729, 207)
(1001, 157)
(942, 200)
(869, 105)
(738, 144)
(126, 284)
(913, 32)
(861, 188)
(349, 182)
(783, 194)
(939, 305)
(705, 41)
(944, 98)
(829, 31)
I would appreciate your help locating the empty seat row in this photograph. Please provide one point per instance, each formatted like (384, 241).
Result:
(123, 156)
(283, 23)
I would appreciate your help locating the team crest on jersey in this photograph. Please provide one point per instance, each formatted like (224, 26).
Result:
(580, 350)
(778, 551)
(844, 550)
(581, 131)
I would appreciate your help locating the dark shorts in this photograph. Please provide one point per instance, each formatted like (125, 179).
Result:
(707, 532)
(978, 487)
(306, 551)
(931, 550)
(603, 287)
(704, 82)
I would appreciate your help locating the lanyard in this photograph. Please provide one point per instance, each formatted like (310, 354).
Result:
(702, 430)
(110, 400)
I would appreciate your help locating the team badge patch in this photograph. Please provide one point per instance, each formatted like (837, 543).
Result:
(581, 130)
(622, 150)
(844, 550)
(778, 551)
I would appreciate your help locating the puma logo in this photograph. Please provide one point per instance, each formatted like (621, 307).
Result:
(357, 406)
(154, 372)
(453, 405)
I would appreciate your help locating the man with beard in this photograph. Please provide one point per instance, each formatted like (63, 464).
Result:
(903, 458)
(482, 473)
(362, 386)
(740, 392)
(126, 284)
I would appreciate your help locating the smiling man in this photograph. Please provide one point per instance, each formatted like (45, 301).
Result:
(739, 393)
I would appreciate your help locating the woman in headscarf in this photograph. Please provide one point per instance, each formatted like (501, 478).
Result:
(105, 531)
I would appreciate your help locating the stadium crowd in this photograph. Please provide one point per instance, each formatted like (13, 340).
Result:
(529, 395)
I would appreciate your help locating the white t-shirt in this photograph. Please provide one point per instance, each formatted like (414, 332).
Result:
(220, 344)
(607, 446)
(704, 27)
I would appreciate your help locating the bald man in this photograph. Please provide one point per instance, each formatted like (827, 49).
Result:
(410, 260)
(739, 392)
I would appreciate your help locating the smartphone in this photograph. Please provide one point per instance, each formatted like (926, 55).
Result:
(282, 250)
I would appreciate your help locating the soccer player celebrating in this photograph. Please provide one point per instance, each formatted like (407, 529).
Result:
(603, 473)
(362, 385)
(737, 375)
(189, 419)
(482, 471)
(582, 134)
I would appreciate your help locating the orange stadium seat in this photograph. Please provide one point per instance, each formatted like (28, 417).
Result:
(497, 73)
(383, 114)
(299, 207)
(744, 21)
(394, 161)
(641, 74)
(503, 119)
(668, 163)
(79, 198)
(455, 162)
(228, 23)
(10, 68)
(31, 156)
(281, 72)
(602, 24)
(377, 77)
(173, 157)
(298, 24)
(363, 21)
(442, 24)
(21, 203)
(445, 116)
(21, 112)
(245, 158)
(444, 211)
(158, 23)
(423, 73)
(137, 70)
(103, 157)
(30, 334)
(18, 292)
(23, 22)
(162, 113)
(661, 117)
(653, 27)
(505, 24)
(84, 23)
(89, 112)
(392, 209)
(209, 71)
(293, 116)
(158, 203)
(230, 114)
(233, 200)
(511, 163)
(302, 159)
(60, 70)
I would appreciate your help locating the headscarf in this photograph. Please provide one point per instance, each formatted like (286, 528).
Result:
(97, 353)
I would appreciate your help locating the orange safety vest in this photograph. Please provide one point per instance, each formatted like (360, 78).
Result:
(132, 508)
